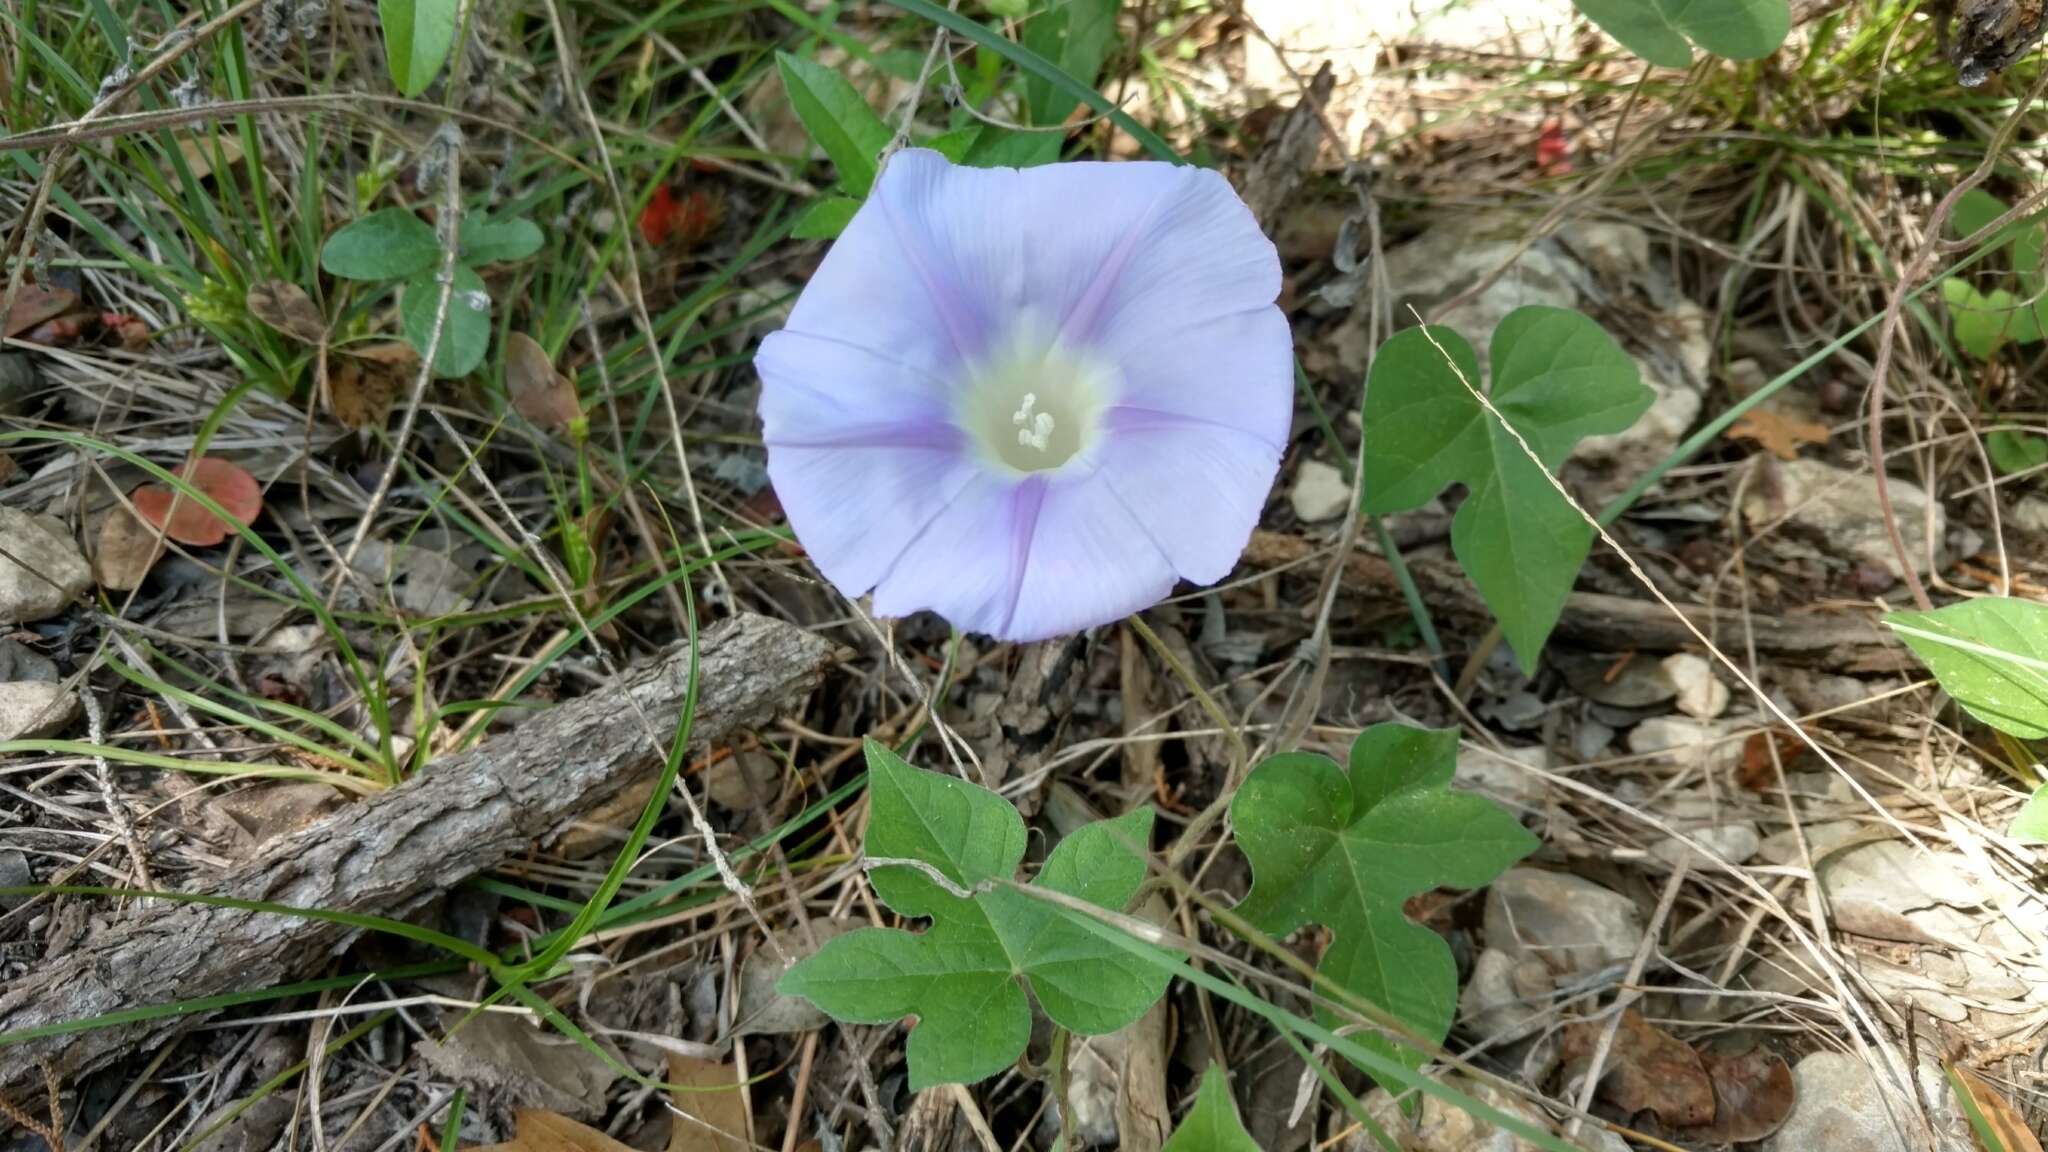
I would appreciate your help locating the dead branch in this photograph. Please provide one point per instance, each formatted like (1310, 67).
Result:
(391, 854)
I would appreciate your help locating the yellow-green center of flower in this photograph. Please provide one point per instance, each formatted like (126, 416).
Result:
(1030, 402)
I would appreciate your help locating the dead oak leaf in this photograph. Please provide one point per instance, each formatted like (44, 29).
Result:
(35, 304)
(125, 550)
(1753, 1094)
(1777, 433)
(285, 306)
(2005, 1121)
(536, 390)
(711, 1113)
(1647, 1070)
(538, 1131)
(363, 381)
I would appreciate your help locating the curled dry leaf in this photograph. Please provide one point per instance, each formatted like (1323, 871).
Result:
(1781, 435)
(186, 520)
(126, 549)
(364, 380)
(536, 390)
(285, 306)
(36, 304)
(1753, 1095)
(1647, 1070)
(201, 153)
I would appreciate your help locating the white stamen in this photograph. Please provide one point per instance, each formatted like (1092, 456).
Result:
(1034, 430)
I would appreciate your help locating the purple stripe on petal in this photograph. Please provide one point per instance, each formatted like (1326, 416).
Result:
(934, 433)
(1025, 505)
(1135, 418)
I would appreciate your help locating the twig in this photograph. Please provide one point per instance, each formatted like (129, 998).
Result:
(1631, 991)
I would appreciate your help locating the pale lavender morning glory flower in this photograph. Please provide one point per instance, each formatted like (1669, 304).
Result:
(1031, 400)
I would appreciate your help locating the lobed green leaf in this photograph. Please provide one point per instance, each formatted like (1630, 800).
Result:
(390, 244)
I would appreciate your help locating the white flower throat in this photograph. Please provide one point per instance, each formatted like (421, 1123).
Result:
(1030, 402)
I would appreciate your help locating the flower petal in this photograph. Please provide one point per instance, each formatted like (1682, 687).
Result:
(857, 511)
(1232, 372)
(813, 388)
(1022, 560)
(1196, 488)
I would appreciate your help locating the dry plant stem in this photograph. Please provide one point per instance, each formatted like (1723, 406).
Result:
(389, 854)
(636, 295)
(1887, 332)
(103, 773)
(1630, 992)
(627, 492)
(21, 243)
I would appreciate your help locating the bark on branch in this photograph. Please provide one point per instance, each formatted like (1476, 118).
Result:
(389, 855)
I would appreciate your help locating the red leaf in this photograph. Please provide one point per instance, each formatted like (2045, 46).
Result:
(33, 305)
(1553, 151)
(227, 484)
(658, 219)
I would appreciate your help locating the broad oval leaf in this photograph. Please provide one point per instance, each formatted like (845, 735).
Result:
(2012, 450)
(2031, 825)
(1212, 1125)
(963, 978)
(1990, 655)
(1345, 849)
(1664, 31)
(837, 118)
(1557, 378)
(1075, 35)
(485, 240)
(465, 334)
(417, 36)
(389, 244)
(1984, 322)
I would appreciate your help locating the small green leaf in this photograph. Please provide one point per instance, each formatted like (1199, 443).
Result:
(2012, 450)
(1984, 322)
(2031, 825)
(1664, 31)
(1002, 148)
(1557, 378)
(1212, 1125)
(484, 240)
(465, 334)
(954, 145)
(390, 244)
(963, 978)
(837, 118)
(826, 218)
(1008, 9)
(1346, 849)
(1991, 655)
(1075, 35)
(417, 36)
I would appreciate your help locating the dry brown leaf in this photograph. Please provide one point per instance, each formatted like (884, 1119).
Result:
(126, 549)
(524, 1064)
(285, 306)
(199, 153)
(536, 390)
(1647, 1070)
(538, 1131)
(1753, 1095)
(2004, 1120)
(712, 1120)
(363, 382)
(1779, 434)
(35, 304)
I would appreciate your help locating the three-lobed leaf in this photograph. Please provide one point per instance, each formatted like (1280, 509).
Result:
(834, 114)
(389, 244)
(1345, 849)
(1212, 1125)
(1990, 655)
(1984, 322)
(1557, 378)
(2012, 450)
(465, 334)
(417, 37)
(1663, 32)
(963, 977)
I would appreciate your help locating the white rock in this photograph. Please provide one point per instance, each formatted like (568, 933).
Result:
(31, 708)
(1506, 999)
(1505, 776)
(2030, 515)
(1686, 742)
(1319, 492)
(1733, 843)
(1701, 695)
(1440, 1127)
(1836, 510)
(41, 570)
(1894, 891)
(1568, 922)
(1840, 1107)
